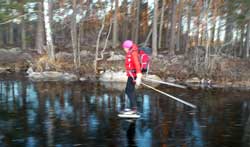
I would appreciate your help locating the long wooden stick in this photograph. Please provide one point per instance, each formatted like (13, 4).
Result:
(167, 83)
(173, 97)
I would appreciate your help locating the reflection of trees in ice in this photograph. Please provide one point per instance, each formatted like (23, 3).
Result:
(86, 112)
(131, 134)
(246, 135)
(143, 136)
(146, 106)
(196, 133)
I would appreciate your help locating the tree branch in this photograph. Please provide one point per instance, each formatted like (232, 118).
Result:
(20, 16)
(106, 41)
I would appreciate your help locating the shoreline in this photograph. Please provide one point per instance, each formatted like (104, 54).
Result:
(174, 69)
(230, 85)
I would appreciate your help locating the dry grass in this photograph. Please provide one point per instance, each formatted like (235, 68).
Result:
(43, 63)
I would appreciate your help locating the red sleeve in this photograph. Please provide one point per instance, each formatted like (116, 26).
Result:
(135, 59)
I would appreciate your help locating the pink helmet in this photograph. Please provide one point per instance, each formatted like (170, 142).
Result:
(127, 44)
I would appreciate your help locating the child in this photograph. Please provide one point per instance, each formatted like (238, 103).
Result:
(133, 71)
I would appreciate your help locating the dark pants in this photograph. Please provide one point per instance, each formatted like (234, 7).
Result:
(130, 91)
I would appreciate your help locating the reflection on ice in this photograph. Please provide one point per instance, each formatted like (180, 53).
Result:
(68, 114)
(120, 86)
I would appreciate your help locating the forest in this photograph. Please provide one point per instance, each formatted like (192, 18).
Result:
(189, 38)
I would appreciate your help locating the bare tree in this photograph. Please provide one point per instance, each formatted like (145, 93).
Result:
(198, 15)
(179, 31)
(207, 54)
(23, 31)
(115, 28)
(125, 23)
(48, 31)
(155, 22)
(74, 35)
(173, 24)
(167, 26)
(218, 35)
(248, 40)
(137, 20)
(106, 41)
(189, 13)
(40, 30)
(163, 7)
(241, 41)
(1, 36)
(148, 36)
(97, 45)
(11, 33)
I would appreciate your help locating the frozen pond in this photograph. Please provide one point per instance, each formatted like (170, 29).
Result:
(85, 114)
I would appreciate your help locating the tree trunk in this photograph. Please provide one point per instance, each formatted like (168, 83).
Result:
(241, 41)
(106, 41)
(213, 34)
(125, 28)
(154, 37)
(74, 35)
(237, 43)
(179, 32)
(5, 34)
(132, 17)
(11, 35)
(137, 22)
(144, 28)
(248, 40)
(197, 31)
(49, 40)
(173, 24)
(115, 28)
(219, 31)
(229, 31)
(1, 36)
(97, 45)
(188, 26)
(207, 54)
(8, 34)
(40, 30)
(80, 32)
(167, 32)
(147, 39)
(23, 35)
(161, 22)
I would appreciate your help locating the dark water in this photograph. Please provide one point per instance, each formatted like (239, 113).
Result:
(85, 114)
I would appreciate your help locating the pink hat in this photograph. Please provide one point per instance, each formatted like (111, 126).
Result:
(127, 44)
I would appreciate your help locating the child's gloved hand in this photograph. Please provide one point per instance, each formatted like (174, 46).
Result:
(138, 79)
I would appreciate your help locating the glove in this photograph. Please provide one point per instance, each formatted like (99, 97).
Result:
(138, 79)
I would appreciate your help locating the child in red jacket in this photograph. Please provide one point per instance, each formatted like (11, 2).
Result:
(133, 70)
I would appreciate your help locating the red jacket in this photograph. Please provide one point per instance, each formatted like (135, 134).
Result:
(132, 63)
